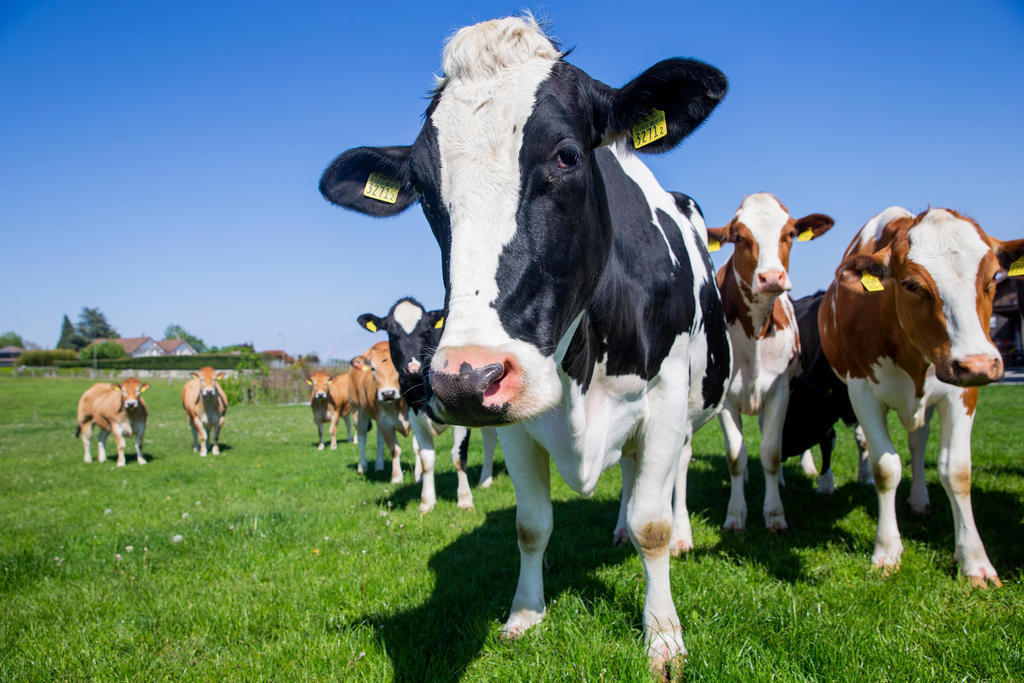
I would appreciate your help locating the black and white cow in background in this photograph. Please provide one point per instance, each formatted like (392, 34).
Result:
(817, 400)
(581, 311)
(413, 334)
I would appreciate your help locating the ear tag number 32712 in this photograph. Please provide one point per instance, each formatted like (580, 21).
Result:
(381, 188)
(871, 283)
(649, 129)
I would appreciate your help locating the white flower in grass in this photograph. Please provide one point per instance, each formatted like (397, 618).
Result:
(128, 548)
(177, 538)
(184, 515)
(107, 511)
(117, 556)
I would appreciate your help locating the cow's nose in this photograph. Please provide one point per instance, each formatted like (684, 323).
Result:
(772, 281)
(388, 395)
(474, 386)
(978, 369)
(131, 404)
(413, 366)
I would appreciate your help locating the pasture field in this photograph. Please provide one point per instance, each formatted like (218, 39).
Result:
(291, 566)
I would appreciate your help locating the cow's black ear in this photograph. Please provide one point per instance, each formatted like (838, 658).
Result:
(664, 104)
(370, 322)
(435, 319)
(370, 180)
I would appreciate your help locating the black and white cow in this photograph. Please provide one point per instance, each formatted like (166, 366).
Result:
(413, 334)
(581, 311)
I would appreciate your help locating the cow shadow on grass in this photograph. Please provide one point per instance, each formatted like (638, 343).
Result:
(446, 485)
(814, 520)
(475, 577)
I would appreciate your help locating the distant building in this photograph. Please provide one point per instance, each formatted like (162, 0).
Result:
(1006, 324)
(176, 347)
(8, 354)
(136, 347)
(277, 358)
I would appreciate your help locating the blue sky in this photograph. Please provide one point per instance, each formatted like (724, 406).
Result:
(160, 160)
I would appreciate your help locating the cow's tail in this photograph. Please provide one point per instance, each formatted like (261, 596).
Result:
(78, 431)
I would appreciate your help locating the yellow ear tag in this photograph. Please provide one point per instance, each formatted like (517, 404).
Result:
(714, 245)
(805, 236)
(871, 283)
(650, 129)
(382, 188)
(1017, 267)
(370, 326)
(439, 324)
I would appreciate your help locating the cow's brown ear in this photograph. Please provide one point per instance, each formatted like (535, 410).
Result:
(143, 388)
(194, 374)
(1011, 256)
(358, 362)
(866, 272)
(116, 386)
(220, 375)
(813, 225)
(719, 236)
(329, 380)
(309, 381)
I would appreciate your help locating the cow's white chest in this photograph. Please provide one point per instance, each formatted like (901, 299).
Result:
(758, 364)
(894, 389)
(210, 414)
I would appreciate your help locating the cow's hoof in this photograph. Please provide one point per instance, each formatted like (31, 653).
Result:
(396, 479)
(920, 509)
(984, 580)
(887, 562)
(359, 469)
(120, 463)
(620, 537)
(734, 523)
(216, 450)
(334, 446)
(141, 461)
(519, 622)
(426, 507)
(826, 485)
(378, 468)
(486, 483)
(202, 454)
(320, 447)
(677, 548)
(775, 522)
(465, 502)
(665, 655)
(195, 449)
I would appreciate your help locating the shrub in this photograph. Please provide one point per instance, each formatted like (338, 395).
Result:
(220, 361)
(107, 349)
(43, 358)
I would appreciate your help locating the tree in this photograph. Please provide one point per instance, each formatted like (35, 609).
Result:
(178, 332)
(69, 338)
(92, 324)
(107, 349)
(11, 339)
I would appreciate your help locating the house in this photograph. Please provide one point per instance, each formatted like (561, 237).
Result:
(276, 358)
(8, 354)
(176, 347)
(136, 347)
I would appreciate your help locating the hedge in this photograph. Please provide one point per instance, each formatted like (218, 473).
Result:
(46, 357)
(222, 361)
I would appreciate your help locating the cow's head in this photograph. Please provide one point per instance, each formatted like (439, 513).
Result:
(504, 171)
(377, 359)
(940, 267)
(413, 334)
(762, 233)
(207, 377)
(131, 392)
(320, 383)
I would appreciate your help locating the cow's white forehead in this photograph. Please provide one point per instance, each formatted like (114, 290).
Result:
(765, 218)
(951, 250)
(492, 74)
(407, 314)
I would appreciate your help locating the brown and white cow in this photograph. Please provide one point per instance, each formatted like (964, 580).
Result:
(205, 407)
(765, 340)
(116, 409)
(374, 394)
(329, 401)
(905, 325)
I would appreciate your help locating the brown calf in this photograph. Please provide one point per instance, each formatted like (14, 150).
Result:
(374, 394)
(205, 406)
(329, 401)
(116, 409)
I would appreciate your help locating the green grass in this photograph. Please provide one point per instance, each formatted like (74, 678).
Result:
(292, 566)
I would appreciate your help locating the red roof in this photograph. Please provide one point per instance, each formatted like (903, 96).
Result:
(170, 345)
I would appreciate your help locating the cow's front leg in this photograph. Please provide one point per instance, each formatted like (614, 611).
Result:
(460, 456)
(955, 474)
(649, 519)
(216, 435)
(682, 535)
(773, 415)
(362, 426)
(428, 458)
(917, 441)
(826, 482)
(531, 478)
(334, 431)
(379, 465)
(489, 437)
(120, 443)
(627, 467)
(350, 436)
(417, 462)
(736, 459)
(864, 475)
(199, 435)
(319, 432)
(139, 430)
(396, 451)
(887, 471)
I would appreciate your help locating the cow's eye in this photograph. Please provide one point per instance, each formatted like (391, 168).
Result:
(568, 158)
(913, 287)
